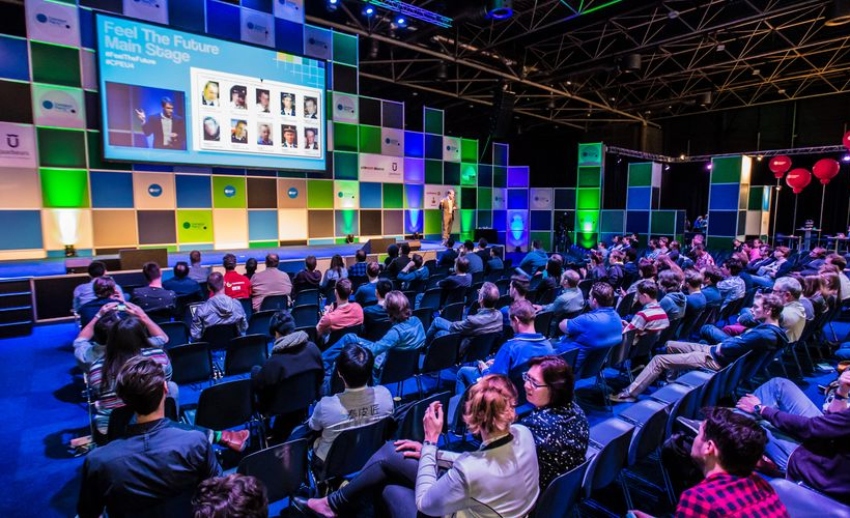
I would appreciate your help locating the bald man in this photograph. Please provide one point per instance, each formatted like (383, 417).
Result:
(270, 281)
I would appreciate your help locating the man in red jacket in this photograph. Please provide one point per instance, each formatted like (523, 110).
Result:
(236, 285)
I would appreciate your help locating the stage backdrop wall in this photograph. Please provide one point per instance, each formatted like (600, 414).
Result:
(383, 178)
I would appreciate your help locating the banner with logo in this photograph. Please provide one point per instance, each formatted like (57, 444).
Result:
(345, 107)
(17, 146)
(392, 142)
(346, 194)
(435, 193)
(381, 169)
(451, 149)
(500, 199)
(290, 10)
(317, 42)
(148, 10)
(257, 27)
(542, 199)
(53, 22)
(58, 106)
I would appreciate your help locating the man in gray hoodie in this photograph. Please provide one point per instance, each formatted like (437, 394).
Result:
(219, 310)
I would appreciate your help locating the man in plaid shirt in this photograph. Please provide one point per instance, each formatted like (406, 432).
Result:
(727, 449)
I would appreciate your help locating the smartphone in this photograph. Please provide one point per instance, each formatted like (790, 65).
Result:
(121, 307)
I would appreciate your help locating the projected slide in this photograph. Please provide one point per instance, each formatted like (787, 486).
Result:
(173, 97)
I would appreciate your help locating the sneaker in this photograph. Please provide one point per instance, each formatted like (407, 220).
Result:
(236, 441)
(622, 397)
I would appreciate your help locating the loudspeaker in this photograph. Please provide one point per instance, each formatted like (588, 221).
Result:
(503, 109)
(415, 244)
(378, 246)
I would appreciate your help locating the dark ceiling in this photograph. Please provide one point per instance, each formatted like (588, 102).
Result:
(583, 64)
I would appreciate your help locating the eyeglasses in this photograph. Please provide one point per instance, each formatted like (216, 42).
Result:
(529, 379)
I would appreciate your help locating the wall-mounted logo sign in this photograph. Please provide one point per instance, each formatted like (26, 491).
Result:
(17, 145)
(257, 27)
(53, 22)
(229, 191)
(148, 10)
(155, 190)
(292, 192)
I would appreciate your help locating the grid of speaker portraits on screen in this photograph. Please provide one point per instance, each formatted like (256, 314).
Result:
(250, 115)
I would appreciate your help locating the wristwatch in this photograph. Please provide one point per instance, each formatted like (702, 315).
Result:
(428, 443)
(757, 409)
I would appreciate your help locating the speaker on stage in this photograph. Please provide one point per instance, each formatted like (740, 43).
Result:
(503, 109)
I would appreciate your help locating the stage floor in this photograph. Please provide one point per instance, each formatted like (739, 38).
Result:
(48, 267)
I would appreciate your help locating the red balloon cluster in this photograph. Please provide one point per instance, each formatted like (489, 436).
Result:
(780, 165)
(826, 169)
(798, 179)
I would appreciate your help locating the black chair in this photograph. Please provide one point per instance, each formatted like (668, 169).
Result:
(650, 421)
(191, 363)
(548, 296)
(376, 330)
(311, 333)
(425, 315)
(306, 315)
(688, 325)
(562, 495)
(305, 297)
(431, 299)
(440, 354)
(243, 353)
(357, 281)
(282, 468)
(804, 501)
(594, 363)
(247, 307)
(219, 336)
(226, 405)
(335, 335)
(177, 332)
(479, 347)
(515, 376)
(584, 286)
(452, 296)
(608, 453)
(453, 312)
(543, 322)
(121, 417)
(259, 323)
(292, 394)
(685, 402)
(350, 451)
(624, 307)
(503, 285)
(409, 417)
(570, 356)
(274, 302)
(161, 316)
(399, 365)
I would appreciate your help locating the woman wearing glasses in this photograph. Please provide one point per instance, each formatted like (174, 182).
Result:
(558, 424)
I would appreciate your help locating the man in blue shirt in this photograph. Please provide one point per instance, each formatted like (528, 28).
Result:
(601, 327)
(526, 344)
(365, 294)
(475, 263)
(536, 258)
(181, 284)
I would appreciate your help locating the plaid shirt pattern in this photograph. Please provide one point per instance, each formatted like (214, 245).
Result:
(357, 270)
(730, 496)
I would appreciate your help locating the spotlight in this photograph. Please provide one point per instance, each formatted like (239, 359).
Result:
(760, 158)
(682, 156)
(704, 99)
(667, 167)
(708, 166)
(499, 9)
(846, 158)
(838, 13)
(401, 21)
(368, 11)
(332, 5)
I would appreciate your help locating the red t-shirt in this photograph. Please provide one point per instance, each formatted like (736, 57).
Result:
(236, 285)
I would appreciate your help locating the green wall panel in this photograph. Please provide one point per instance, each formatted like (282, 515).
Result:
(320, 194)
(194, 226)
(545, 239)
(726, 169)
(65, 188)
(55, 65)
(433, 222)
(433, 121)
(61, 148)
(346, 165)
(370, 139)
(587, 199)
(345, 48)
(469, 150)
(589, 176)
(393, 196)
(640, 175)
(345, 137)
(663, 222)
(469, 174)
(229, 192)
(485, 198)
(434, 171)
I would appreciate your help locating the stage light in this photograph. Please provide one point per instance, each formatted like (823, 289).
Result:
(401, 21)
(373, 49)
(499, 9)
(708, 166)
(667, 167)
(760, 158)
(838, 13)
(442, 71)
(369, 11)
(846, 158)
(332, 5)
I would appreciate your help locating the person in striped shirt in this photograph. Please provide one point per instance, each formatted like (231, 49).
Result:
(651, 318)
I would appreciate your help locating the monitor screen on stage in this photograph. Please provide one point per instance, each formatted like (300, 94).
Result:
(173, 97)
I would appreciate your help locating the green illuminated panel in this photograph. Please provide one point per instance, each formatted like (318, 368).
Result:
(345, 48)
(393, 196)
(485, 198)
(726, 169)
(662, 222)
(194, 226)
(55, 65)
(433, 222)
(433, 121)
(469, 174)
(345, 136)
(348, 220)
(612, 221)
(263, 244)
(467, 222)
(587, 199)
(320, 194)
(640, 175)
(434, 171)
(370, 139)
(469, 150)
(545, 239)
(229, 192)
(64, 188)
(589, 176)
(587, 221)
(346, 166)
(755, 198)
(590, 154)
(61, 148)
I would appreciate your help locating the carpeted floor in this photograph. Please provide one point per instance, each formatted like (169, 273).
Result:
(43, 411)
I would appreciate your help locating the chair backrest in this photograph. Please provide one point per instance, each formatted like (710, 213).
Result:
(644, 345)
(177, 332)
(244, 352)
(479, 347)
(425, 315)
(336, 334)
(609, 447)
(247, 306)
(306, 315)
(543, 322)
(687, 406)
(219, 336)
(503, 285)
(431, 299)
(311, 333)
(409, 417)
(563, 493)
(400, 364)
(296, 392)
(352, 448)
(733, 376)
(376, 330)
(624, 307)
(504, 300)
(441, 353)
(669, 332)
(688, 324)
(594, 362)
(281, 468)
(452, 296)
(225, 405)
(259, 323)
(585, 286)
(548, 296)
(570, 356)
(515, 375)
(803, 501)
(274, 302)
(453, 312)
(305, 297)
(650, 420)
(190, 363)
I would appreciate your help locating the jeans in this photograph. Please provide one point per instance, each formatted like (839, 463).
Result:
(762, 281)
(784, 395)
(386, 467)
(843, 352)
(712, 334)
(466, 376)
(684, 354)
(439, 327)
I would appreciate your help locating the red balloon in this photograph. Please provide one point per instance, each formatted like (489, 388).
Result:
(780, 165)
(847, 140)
(798, 179)
(826, 169)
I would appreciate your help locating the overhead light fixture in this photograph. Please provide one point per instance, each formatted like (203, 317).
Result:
(373, 49)
(846, 158)
(720, 47)
(499, 9)
(632, 63)
(704, 98)
(407, 12)
(442, 71)
(368, 11)
(332, 5)
(400, 21)
(838, 13)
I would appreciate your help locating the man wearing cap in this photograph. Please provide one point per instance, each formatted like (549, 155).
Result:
(289, 137)
(288, 108)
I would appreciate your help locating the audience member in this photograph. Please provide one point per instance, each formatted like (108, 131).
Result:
(712, 277)
(732, 287)
(218, 310)
(571, 299)
(517, 290)
(392, 255)
(84, 293)
(336, 272)
(153, 297)
(236, 285)
(674, 301)
(271, 281)
(197, 271)
(105, 292)
(616, 269)
(401, 261)
(600, 328)
(308, 278)
(651, 318)
(183, 285)
(535, 260)
(459, 281)
(374, 313)
(233, 496)
(365, 295)
(696, 301)
(341, 313)
(494, 262)
(448, 256)
(487, 320)
(766, 275)
(476, 264)
(90, 344)
(250, 267)
(358, 269)
(414, 275)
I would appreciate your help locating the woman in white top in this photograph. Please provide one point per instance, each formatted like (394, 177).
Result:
(500, 480)
(336, 272)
